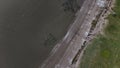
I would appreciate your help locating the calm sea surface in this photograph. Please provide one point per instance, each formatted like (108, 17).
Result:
(27, 28)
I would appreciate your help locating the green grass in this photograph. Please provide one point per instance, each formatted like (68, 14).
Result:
(104, 52)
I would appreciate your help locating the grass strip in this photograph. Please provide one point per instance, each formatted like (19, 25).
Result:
(104, 51)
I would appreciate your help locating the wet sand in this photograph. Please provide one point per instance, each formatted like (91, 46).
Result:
(24, 27)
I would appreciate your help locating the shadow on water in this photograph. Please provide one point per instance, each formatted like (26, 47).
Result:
(29, 29)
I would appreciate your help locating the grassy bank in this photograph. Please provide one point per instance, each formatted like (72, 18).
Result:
(104, 52)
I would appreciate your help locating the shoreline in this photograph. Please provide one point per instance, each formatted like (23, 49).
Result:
(44, 64)
(94, 31)
(99, 29)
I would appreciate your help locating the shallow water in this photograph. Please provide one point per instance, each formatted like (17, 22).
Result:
(25, 25)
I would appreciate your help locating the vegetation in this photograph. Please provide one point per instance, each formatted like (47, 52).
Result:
(51, 40)
(71, 5)
(104, 52)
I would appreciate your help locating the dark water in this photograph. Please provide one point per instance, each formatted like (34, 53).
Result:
(24, 27)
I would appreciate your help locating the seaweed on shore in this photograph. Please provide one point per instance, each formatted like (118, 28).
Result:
(51, 40)
(71, 5)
